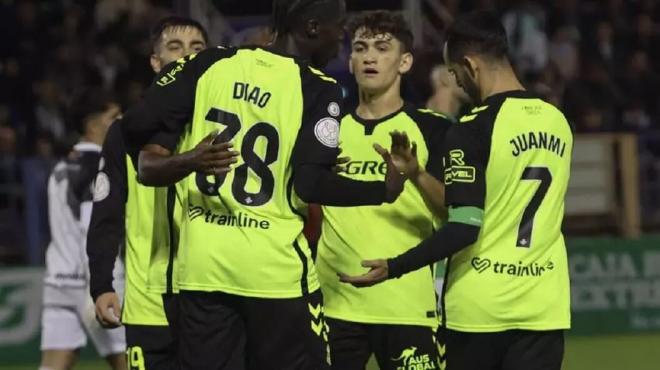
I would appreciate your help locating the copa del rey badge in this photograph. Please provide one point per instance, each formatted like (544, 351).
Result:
(326, 131)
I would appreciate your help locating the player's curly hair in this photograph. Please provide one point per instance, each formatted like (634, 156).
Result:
(381, 22)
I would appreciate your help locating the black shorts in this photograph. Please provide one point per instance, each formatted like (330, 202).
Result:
(221, 331)
(171, 308)
(396, 347)
(150, 348)
(508, 350)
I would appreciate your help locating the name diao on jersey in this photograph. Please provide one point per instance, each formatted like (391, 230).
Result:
(251, 94)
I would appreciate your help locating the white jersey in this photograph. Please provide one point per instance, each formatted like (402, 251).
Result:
(70, 189)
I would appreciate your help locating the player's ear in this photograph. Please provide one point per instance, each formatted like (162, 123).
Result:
(406, 63)
(470, 65)
(312, 28)
(156, 65)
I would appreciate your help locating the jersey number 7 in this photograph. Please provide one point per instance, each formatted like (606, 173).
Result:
(527, 223)
(251, 160)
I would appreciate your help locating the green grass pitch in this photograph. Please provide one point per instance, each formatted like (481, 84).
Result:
(638, 352)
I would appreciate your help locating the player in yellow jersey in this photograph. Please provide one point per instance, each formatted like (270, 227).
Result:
(244, 267)
(507, 294)
(127, 213)
(395, 321)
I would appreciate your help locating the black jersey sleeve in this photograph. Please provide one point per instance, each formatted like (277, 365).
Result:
(107, 229)
(434, 127)
(318, 138)
(167, 106)
(467, 148)
(317, 148)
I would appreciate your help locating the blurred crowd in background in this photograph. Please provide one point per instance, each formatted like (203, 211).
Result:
(598, 60)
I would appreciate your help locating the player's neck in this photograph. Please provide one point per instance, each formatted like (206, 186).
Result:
(376, 105)
(501, 79)
(286, 45)
(91, 138)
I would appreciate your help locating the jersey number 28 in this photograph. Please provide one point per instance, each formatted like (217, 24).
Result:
(251, 160)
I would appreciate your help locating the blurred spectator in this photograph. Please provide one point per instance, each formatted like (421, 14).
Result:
(593, 99)
(641, 85)
(564, 53)
(525, 28)
(49, 109)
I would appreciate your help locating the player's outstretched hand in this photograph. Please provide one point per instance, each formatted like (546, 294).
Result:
(378, 273)
(394, 178)
(107, 310)
(404, 155)
(212, 157)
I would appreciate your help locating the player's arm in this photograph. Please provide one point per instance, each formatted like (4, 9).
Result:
(159, 167)
(315, 156)
(107, 229)
(427, 179)
(466, 154)
(152, 127)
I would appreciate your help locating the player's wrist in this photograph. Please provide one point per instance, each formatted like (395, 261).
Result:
(393, 268)
(100, 292)
(416, 175)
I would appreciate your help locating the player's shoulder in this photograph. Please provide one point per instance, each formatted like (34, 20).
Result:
(316, 81)
(194, 64)
(315, 75)
(427, 118)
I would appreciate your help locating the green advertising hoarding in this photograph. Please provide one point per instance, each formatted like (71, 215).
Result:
(615, 285)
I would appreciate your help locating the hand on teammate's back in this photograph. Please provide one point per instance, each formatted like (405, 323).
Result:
(108, 309)
(379, 271)
(394, 177)
(213, 158)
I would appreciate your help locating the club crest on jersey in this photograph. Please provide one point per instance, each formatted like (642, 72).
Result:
(333, 109)
(326, 131)
(101, 187)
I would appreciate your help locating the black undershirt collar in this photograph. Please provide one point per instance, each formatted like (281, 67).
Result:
(370, 124)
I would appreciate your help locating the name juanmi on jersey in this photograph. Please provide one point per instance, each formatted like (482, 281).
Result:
(537, 140)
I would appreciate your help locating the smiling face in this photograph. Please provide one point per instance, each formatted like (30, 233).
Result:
(378, 60)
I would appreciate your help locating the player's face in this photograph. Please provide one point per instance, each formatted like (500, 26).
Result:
(175, 43)
(465, 73)
(330, 36)
(447, 80)
(378, 61)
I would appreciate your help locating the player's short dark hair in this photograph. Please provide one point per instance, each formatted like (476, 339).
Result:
(88, 104)
(479, 32)
(289, 13)
(379, 22)
(175, 21)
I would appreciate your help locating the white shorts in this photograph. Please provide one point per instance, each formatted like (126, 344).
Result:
(66, 327)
